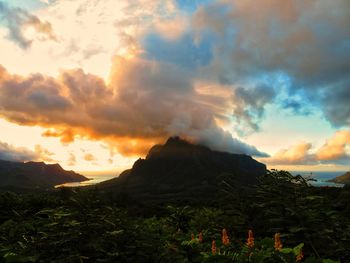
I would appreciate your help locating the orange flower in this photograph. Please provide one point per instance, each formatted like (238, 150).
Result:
(250, 240)
(300, 256)
(200, 237)
(278, 243)
(225, 238)
(192, 236)
(213, 247)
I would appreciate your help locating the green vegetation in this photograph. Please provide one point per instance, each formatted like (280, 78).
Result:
(88, 225)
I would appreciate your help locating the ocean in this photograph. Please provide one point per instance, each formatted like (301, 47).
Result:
(95, 178)
(320, 177)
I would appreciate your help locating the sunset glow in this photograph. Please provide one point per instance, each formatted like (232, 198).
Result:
(93, 85)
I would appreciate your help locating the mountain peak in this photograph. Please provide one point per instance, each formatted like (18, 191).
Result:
(175, 147)
(176, 140)
(179, 169)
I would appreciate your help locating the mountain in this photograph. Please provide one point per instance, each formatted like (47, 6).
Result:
(32, 175)
(342, 179)
(179, 169)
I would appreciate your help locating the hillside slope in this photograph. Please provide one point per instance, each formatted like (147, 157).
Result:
(179, 169)
(342, 179)
(32, 175)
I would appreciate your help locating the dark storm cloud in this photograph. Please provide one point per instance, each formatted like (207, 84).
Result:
(309, 41)
(336, 103)
(249, 103)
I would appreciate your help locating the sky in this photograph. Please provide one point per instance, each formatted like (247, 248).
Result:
(93, 84)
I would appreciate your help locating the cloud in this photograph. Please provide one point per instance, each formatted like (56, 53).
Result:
(221, 63)
(296, 106)
(20, 154)
(91, 30)
(308, 41)
(44, 154)
(336, 150)
(72, 160)
(249, 103)
(66, 135)
(11, 153)
(173, 28)
(298, 154)
(335, 103)
(89, 157)
(20, 23)
(144, 103)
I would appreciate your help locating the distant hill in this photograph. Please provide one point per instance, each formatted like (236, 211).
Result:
(179, 169)
(342, 179)
(32, 175)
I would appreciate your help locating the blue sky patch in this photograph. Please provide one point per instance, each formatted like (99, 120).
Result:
(182, 52)
(191, 5)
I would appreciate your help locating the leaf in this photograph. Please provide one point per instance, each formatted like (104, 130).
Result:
(286, 250)
(297, 250)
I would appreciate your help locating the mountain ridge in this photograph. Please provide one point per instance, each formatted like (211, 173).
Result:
(179, 169)
(33, 175)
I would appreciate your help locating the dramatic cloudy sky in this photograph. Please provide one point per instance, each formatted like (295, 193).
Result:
(93, 84)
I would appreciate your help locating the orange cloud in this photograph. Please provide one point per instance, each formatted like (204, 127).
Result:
(296, 154)
(66, 136)
(335, 148)
(144, 103)
(44, 154)
(89, 157)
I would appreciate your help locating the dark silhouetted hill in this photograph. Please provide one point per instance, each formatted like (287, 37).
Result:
(181, 170)
(342, 179)
(33, 175)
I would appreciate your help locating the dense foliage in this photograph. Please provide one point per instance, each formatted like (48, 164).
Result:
(85, 225)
